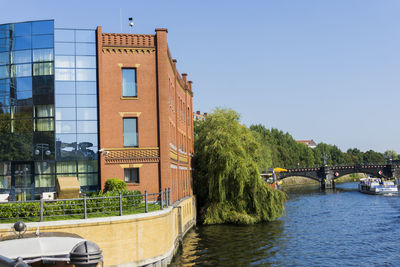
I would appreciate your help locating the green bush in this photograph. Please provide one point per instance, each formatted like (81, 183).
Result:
(115, 184)
(95, 204)
(12, 210)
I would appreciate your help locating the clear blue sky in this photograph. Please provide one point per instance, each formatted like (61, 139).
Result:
(322, 70)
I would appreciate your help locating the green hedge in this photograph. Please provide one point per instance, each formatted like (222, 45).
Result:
(130, 201)
(114, 184)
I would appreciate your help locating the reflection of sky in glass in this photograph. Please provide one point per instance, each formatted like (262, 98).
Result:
(87, 113)
(65, 101)
(4, 72)
(76, 91)
(27, 79)
(86, 101)
(24, 95)
(83, 49)
(86, 62)
(23, 56)
(22, 84)
(40, 55)
(21, 43)
(22, 29)
(87, 126)
(65, 62)
(64, 48)
(65, 127)
(64, 35)
(42, 41)
(4, 58)
(43, 27)
(65, 114)
(86, 88)
(86, 74)
(21, 70)
(65, 74)
(90, 138)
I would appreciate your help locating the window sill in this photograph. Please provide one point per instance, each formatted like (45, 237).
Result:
(129, 98)
(132, 183)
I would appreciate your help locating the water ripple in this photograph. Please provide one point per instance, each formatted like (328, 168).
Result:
(319, 229)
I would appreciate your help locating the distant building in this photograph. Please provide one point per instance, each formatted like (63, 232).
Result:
(309, 143)
(198, 116)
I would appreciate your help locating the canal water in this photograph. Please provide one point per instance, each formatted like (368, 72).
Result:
(336, 228)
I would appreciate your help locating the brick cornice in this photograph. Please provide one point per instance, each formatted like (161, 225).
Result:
(128, 50)
(131, 155)
(128, 40)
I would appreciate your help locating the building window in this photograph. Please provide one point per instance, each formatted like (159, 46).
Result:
(129, 83)
(131, 175)
(130, 132)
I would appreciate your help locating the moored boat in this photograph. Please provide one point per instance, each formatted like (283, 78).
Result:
(377, 186)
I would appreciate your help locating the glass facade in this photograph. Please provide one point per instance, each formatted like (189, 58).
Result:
(48, 108)
(76, 105)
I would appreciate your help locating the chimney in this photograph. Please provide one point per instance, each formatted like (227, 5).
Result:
(184, 77)
(190, 85)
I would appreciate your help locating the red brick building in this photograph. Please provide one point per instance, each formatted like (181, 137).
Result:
(198, 116)
(145, 114)
(309, 143)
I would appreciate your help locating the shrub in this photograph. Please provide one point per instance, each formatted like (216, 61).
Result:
(115, 184)
(95, 204)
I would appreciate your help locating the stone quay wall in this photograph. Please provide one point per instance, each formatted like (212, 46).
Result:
(148, 239)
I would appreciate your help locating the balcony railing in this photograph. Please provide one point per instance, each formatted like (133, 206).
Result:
(83, 208)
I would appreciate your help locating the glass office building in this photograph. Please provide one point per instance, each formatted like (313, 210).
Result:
(48, 108)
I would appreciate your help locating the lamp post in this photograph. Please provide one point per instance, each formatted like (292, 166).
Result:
(42, 149)
(325, 158)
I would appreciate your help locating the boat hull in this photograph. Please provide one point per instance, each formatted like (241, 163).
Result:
(378, 191)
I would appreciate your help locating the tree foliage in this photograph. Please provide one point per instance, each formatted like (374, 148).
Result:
(283, 151)
(227, 181)
(390, 155)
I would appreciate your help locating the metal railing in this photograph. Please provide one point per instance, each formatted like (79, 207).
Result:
(83, 208)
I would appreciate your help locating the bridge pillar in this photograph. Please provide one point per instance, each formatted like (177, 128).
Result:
(327, 179)
(395, 171)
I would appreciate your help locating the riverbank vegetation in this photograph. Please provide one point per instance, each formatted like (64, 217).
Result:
(230, 156)
(286, 152)
(227, 180)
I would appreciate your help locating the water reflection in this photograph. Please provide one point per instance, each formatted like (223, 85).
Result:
(208, 246)
(340, 227)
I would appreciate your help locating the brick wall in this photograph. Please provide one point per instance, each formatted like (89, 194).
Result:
(163, 108)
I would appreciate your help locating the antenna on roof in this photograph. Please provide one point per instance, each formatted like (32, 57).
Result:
(120, 18)
(130, 24)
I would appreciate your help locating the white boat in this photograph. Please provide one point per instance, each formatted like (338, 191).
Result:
(377, 186)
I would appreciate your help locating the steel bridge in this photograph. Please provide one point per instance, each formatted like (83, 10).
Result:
(326, 175)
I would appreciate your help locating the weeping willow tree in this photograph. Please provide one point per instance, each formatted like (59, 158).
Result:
(226, 177)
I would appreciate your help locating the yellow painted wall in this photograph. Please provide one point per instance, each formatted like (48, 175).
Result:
(136, 239)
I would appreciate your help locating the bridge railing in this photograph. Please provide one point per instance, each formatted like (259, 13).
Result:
(343, 165)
